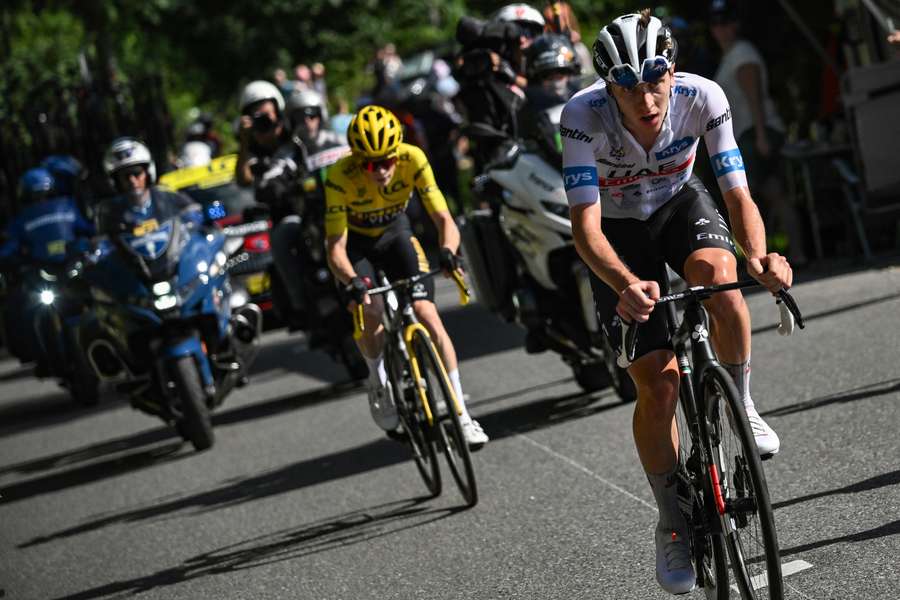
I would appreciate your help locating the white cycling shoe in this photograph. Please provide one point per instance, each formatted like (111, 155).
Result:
(766, 439)
(382, 406)
(474, 434)
(674, 568)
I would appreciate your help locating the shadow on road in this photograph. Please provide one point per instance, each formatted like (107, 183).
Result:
(888, 529)
(476, 332)
(51, 409)
(289, 402)
(20, 372)
(834, 311)
(860, 393)
(365, 458)
(873, 483)
(95, 471)
(290, 544)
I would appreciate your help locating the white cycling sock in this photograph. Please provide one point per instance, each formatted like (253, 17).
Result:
(741, 376)
(376, 365)
(457, 389)
(665, 491)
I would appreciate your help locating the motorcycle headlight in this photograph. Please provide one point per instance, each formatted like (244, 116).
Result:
(218, 264)
(47, 297)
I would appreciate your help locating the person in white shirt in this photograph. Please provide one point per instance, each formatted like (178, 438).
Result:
(759, 131)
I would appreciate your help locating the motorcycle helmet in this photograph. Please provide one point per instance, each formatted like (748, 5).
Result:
(551, 52)
(36, 185)
(305, 101)
(374, 132)
(634, 49)
(257, 91)
(67, 173)
(125, 152)
(530, 21)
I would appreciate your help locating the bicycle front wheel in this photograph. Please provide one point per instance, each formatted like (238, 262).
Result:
(447, 427)
(696, 501)
(744, 505)
(414, 424)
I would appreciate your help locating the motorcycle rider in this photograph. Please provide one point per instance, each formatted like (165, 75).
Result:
(552, 68)
(140, 204)
(41, 234)
(630, 141)
(366, 224)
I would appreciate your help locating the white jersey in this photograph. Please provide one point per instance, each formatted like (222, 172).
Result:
(602, 160)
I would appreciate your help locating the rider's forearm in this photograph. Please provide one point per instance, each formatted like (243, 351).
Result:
(338, 261)
(448, 232)
(746, 222)
(243, 175)
(596, 251)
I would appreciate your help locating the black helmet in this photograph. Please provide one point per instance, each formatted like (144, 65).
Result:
(551, 52)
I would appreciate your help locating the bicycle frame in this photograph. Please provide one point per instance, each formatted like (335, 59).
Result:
(400, 322)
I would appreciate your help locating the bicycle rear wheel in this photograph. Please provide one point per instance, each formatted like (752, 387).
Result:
(745, 508)
(418, 436)
(447, 427)
(697, 504)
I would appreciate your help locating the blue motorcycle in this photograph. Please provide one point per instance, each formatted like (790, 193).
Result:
(166, 328)
(45, 327)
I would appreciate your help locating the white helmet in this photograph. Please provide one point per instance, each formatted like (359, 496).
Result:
(634, 49)
(125, 152)
(302, 98)
(194, 154)
(523, 15)
(257, 91)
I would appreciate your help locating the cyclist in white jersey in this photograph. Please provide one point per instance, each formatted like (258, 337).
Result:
(629, 144)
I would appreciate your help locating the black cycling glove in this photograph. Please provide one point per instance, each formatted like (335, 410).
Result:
(448, 261)
(356, 290)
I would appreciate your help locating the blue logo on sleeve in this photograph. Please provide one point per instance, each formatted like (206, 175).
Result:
(574, 177)
(728, 161)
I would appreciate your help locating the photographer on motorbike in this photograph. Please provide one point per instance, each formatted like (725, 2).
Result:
(552, 69)
(140, 204)
(39, 236)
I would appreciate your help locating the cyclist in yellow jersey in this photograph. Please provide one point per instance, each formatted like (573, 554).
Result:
(367, 228)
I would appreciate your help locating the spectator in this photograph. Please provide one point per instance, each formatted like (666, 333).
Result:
(894, 37)
(759, 131)
(318, 79)
(302, 78)
(285, 86)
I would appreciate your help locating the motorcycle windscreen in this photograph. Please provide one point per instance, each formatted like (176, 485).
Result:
(152, 242)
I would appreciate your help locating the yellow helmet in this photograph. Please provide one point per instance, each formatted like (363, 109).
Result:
(374, 132)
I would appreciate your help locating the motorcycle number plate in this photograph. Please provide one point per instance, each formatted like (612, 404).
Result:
(258, 283)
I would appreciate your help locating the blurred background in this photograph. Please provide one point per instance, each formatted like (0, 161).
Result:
(77, 74)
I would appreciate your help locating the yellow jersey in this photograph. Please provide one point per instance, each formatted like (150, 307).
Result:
(354, 201)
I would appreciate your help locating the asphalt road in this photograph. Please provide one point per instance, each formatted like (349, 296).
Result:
(303, 498)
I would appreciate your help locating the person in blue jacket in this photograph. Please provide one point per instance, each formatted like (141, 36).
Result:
(130, 166)
(38, 237)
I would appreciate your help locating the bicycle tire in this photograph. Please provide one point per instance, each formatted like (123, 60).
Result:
(748, 523)
(418, 436)
(696, 502)
(447, 427)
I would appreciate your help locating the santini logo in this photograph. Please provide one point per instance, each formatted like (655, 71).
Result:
(713, 123)
(575, 134)
(574, 177)
(675, 147)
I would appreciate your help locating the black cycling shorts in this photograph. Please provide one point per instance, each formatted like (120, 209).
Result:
(688, 222)
(396, 251)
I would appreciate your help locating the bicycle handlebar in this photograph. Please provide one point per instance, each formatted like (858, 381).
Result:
(787, 306)
(464, 294)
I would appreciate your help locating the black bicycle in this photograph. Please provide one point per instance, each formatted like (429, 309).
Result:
(722, 487)
(426, 403)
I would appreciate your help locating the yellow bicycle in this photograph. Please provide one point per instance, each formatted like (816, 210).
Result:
(426, 403)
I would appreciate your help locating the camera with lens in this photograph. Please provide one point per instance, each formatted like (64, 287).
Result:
(262, 122)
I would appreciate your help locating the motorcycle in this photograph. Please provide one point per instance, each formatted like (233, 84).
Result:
(53, 310)
(167, 329)
(326, 320)
(525, 267)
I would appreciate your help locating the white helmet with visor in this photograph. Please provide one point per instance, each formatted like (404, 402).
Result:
(634, 49)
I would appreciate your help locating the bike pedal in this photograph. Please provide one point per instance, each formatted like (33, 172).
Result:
(398, 435)
(768, 456)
